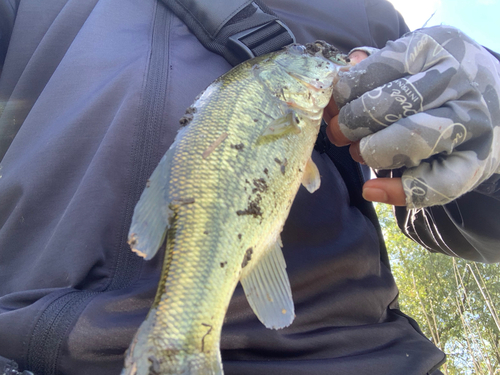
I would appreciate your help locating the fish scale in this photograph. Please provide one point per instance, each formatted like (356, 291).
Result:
(221, 195)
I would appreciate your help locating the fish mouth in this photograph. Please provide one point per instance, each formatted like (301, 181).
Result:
(326, 50)
(315, 84)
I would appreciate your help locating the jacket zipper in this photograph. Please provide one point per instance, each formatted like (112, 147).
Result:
(145, 155)
(55, 322)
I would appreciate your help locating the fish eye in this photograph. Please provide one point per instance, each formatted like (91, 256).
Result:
(297, 49)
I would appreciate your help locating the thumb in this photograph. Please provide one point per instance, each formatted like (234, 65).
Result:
(385, 190)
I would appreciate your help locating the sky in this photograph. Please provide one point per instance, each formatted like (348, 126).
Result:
(479, 19)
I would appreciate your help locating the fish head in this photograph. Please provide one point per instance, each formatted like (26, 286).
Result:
(302, 76)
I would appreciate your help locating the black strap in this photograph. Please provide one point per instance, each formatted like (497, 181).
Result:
(236, 29)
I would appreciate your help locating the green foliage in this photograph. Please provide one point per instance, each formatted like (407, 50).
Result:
(456, 302)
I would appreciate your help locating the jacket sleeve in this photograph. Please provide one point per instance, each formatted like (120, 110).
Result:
(468, 227)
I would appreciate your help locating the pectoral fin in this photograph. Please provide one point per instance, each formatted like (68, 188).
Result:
(268, 291)
(288, 123)
(311, 178)
(151, 214)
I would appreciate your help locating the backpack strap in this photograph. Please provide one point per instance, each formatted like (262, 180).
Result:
(236, 29)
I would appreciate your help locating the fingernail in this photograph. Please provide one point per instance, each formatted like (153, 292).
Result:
(375, 195)
(356, 153)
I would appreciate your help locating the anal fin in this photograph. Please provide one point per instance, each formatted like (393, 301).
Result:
(288, 123)
(268, 290)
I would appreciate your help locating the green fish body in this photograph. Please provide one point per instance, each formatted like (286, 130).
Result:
(220, 196)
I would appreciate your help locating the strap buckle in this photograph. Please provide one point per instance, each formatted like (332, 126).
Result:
(260, 40)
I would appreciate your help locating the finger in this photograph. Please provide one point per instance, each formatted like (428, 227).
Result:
(446, 156)
(404, 97)
(355, 152)
(385, 190)
(406, 56)
(442, 180)
(438, 131)
(334, 134)
(357, 56)
(330, 111)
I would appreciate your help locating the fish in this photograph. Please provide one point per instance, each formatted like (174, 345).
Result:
(219, 199)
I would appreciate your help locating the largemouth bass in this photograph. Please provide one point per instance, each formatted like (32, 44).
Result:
(220, 197)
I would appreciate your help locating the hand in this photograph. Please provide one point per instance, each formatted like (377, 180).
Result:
(383, 190)
(428, 102)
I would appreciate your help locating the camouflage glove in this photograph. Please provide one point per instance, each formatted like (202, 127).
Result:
(428, 102)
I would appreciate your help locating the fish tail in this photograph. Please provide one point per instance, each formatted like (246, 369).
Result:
(202, 364)
(148, 355)
(184, 365)
(158, 362)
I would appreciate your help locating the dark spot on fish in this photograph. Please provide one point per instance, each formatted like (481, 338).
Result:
(239, 236)
(205, 232)
(190, 110)
(252, 209)
(172, 218)
(133, 239)
(186, 119)
(247, 181)
(238, 147)
(154, 369)
(205, 335)
(198, 96)
(255, 120)
(247, 258)
(183, 201)
(328, 51)
(283, 165)
(222, 264)
(312, 48)
(278, 161)
(260, 185)
(266, 171)
(300, 169)
(148, 183)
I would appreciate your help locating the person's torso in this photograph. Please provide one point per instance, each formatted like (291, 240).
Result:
(93, 93)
